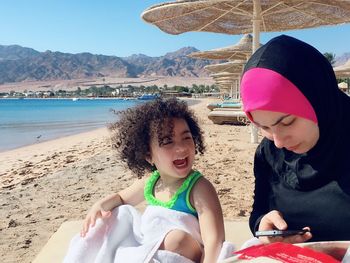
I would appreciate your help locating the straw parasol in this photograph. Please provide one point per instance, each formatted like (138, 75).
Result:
(343, 70)
(246, 16)
(242, 50)
(226, 78)
(227, 88)
(343, 86)
(222, 74)
(235, 66)
(229, 82)
(224, 83)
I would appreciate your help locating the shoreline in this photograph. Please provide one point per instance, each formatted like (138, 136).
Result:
(71, 98)
(53, 141)
(46, 184)
(58, 137)
(65, 133)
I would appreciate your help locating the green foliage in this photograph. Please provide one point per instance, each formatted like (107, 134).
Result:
(202, 88)
(129, 90)
(78, 91)
(181, 89)
(340, 80)
(103, 91)
(330, 57)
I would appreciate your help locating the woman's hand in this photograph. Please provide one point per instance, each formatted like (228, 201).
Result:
(95, 212)
(274, 220)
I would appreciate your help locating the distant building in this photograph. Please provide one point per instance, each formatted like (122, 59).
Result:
(125, 91)
(29, 94)
(48, 94)
(39, 94)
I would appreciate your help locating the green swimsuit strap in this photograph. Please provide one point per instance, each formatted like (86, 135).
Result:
(150, 183)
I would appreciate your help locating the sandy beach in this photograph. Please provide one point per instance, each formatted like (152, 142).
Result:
(46, 184)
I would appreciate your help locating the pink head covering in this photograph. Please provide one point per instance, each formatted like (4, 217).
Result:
(265, 89)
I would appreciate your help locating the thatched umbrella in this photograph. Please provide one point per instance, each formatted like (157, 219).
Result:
(343, 71)
(222, 74)
(225, 88)
(229, 82)
(242, 50)
(235, 66)
(225, 78)
(233, 84)
(343, 86)
(246, 16)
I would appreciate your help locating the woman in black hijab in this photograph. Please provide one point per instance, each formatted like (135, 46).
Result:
(302, 166)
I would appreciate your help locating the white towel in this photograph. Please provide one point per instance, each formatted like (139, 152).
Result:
(128, 236)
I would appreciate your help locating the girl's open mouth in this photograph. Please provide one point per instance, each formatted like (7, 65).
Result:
(180, 163)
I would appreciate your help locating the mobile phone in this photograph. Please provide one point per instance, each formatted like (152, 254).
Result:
(280, 233)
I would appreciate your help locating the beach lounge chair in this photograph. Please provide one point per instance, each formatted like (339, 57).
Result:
(228, 116)
(55, 249)
(224, 104)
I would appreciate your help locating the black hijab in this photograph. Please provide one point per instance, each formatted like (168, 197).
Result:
(313, 75)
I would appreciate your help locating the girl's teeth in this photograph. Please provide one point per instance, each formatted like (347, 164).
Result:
(180, 162)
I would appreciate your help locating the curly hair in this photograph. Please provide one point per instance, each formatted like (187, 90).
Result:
(132, 133)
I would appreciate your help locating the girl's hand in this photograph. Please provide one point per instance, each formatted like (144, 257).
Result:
(274, 220)
(95, 212)
(132, 195)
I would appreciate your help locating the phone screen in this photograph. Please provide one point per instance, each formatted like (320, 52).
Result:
(279, 233)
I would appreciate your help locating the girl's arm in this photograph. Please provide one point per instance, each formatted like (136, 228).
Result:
(211, 222)
(132, 195)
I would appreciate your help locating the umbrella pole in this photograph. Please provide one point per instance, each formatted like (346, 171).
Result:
(256, 24)
(236, 89)
(239, 91)
(256, 41)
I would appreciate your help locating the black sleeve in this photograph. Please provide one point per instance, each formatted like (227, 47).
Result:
(262, 191)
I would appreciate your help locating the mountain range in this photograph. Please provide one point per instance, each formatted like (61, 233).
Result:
(26, 64)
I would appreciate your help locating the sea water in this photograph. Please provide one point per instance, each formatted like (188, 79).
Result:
(29, 121)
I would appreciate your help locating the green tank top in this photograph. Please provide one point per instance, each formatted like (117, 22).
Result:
(180, 200)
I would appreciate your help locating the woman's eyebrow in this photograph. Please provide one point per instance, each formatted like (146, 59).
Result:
(277, 122)
(280, 119)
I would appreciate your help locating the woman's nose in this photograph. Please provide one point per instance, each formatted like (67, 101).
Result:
(279, 140)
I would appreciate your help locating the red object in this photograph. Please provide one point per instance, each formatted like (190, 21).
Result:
(285, 252)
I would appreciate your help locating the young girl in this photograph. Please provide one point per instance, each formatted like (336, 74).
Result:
(161, 138)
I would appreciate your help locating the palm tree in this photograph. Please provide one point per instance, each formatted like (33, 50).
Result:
(330, 57)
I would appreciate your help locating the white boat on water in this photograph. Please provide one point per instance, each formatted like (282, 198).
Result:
(75, 99)
(148, 97)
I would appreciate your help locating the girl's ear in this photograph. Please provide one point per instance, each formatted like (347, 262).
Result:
(149, 159)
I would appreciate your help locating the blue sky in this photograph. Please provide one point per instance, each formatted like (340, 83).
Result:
(114, 27)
